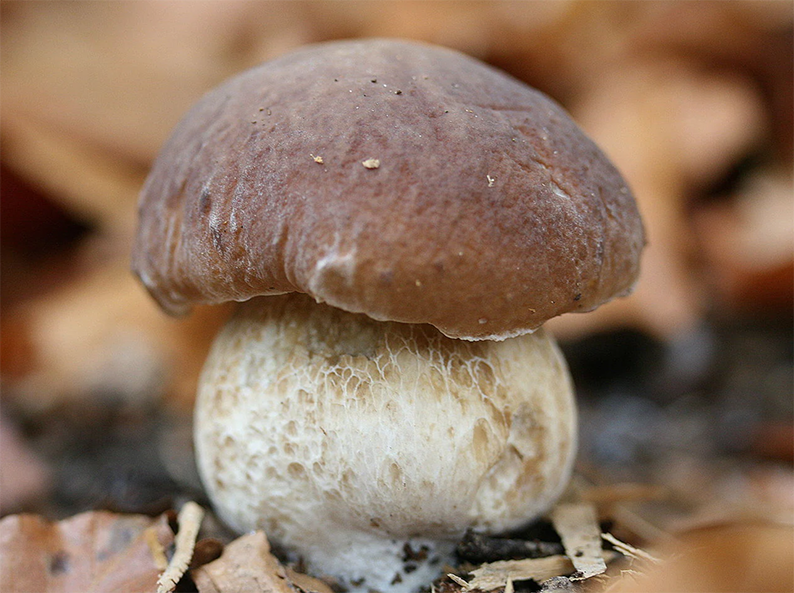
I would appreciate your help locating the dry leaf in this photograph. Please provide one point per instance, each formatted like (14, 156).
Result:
(577, 524)
(119, 76)
(747, 243)
(24, 477)
(247, 565)
(95, 551)
(102, 334)
(92, 186)
(628, 550)
(91, 91)
(726, 558)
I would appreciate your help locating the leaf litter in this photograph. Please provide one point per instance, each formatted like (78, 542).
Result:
(96, 551)
(247, 565)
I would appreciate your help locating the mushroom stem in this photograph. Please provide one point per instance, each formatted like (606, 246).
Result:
(346, 438)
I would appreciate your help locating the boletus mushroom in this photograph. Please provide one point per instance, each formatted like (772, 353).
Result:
(397, 220)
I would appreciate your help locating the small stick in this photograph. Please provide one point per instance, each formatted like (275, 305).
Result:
(189, 520)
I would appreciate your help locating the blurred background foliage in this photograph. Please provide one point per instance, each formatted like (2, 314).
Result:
(687, 384)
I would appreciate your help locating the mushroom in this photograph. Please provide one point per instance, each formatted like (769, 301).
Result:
(396, 393)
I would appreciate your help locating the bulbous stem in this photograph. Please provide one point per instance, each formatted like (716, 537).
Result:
(344, 437)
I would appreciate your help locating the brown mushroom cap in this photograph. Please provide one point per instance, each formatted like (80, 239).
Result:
(401, 180)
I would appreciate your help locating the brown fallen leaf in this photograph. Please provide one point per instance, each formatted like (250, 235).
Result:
(96, 551)
(100, 335)
(91, 92)
(119, 76)
(24, 476)
(247, 565)
(738, 557)
(774, 439)
(464, 26)
(90, 185)
(754, 37)
(747, 244)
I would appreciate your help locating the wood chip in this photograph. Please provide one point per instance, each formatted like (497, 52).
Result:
(497, 574)
(371, 163)
(577, 525)
(456, 579)
(629, 550)
(560, 585)
(306, 583)
(189, 520)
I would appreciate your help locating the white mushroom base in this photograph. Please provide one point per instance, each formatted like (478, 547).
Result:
(343, 438)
